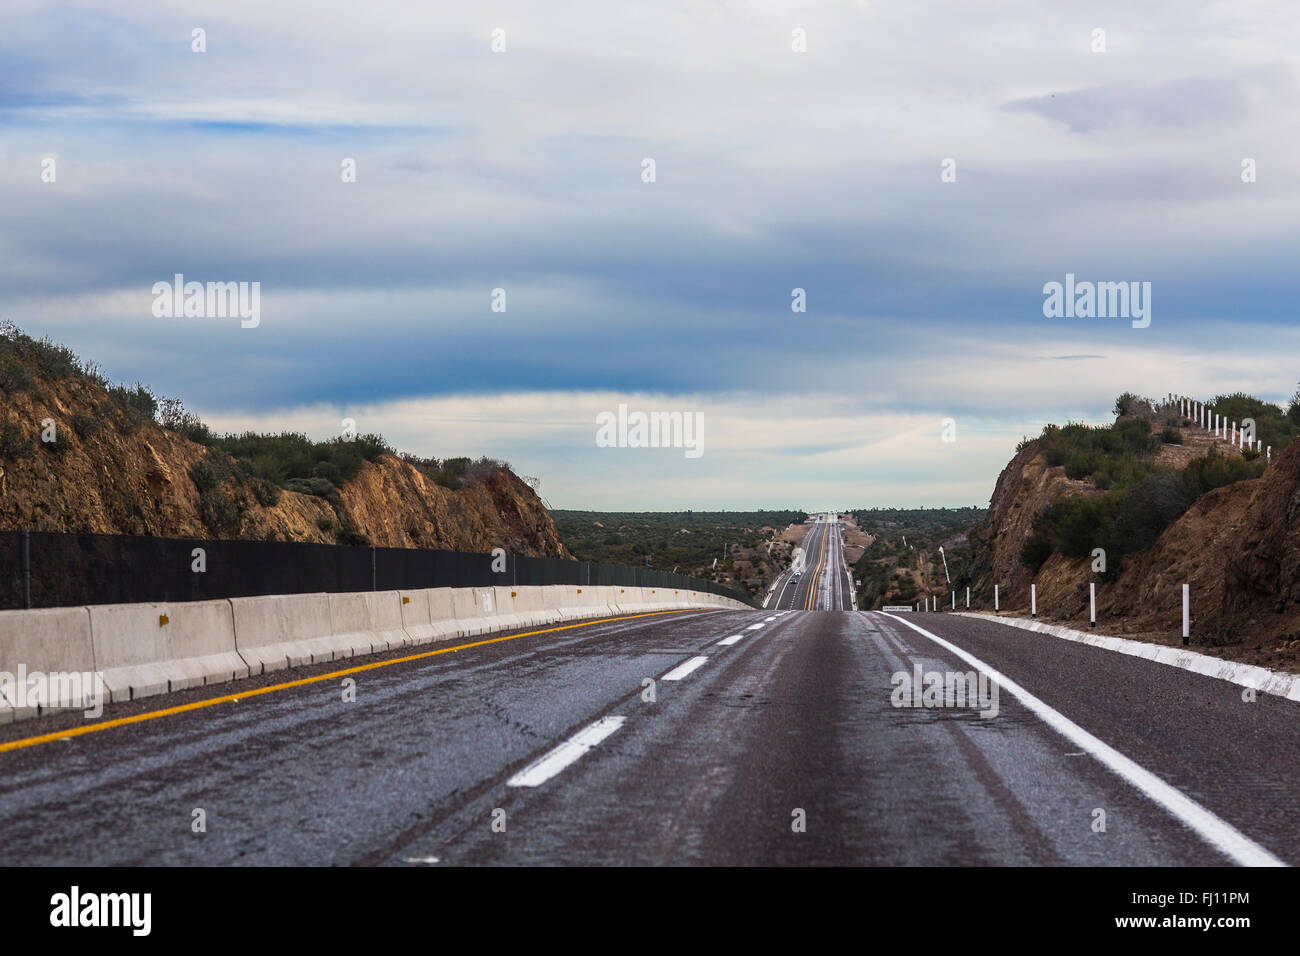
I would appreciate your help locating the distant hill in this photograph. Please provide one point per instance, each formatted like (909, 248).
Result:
(687, 540)
(902, 563)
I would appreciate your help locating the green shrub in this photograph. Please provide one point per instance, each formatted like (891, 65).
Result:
(223, 516)
(320, 487)
(54, 361)
(139, 399)
(351, 537)
(1147, 509)
(14, 445)
(85, 424)
(267, 494)
(1273, 426)
(330, 471)
(204, 477)
(1215, 471)
(1118, 452)
(1037, 549)
(15, 377)
(1171, 436)
(1081, 464)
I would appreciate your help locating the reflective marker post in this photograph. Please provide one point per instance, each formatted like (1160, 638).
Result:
(1186, 618)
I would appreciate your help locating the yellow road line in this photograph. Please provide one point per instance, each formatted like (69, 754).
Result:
(811, 597)
(255, 691)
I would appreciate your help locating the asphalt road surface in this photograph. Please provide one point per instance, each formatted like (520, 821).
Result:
(821, 580)
(767, 737)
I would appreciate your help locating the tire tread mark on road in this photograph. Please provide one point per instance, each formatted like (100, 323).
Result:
(1038, 845)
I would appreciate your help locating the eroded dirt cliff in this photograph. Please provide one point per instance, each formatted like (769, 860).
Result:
(111, 470)
(1237, 548)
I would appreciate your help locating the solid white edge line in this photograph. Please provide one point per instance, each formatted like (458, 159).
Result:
(551, 763)
(1253, 676)
(685, 668)
(728, 641)
(1215, 831)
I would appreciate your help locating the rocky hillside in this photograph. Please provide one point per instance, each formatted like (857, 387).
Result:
(79, 455)
(1023, 491)
(1237, 546)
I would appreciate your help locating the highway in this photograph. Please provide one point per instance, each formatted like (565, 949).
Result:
(823, 582)
(709, 737)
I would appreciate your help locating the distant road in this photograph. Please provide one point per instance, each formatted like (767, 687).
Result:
(824, 584)
(771, 738)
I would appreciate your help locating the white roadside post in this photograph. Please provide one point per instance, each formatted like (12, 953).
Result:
(1186, 619)
(995, 599)
(954, 600)
(1268, 455)
(968, 597)
(1033, 600)
(1092, 604)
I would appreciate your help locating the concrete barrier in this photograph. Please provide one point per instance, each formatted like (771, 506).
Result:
(428, 615)
(282, 630)
(53, 640)
(442, 612)
(147, 649)
(530, 605)
(366, 622)
(473, 606)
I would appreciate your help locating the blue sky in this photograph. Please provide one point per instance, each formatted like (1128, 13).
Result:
(775, 170)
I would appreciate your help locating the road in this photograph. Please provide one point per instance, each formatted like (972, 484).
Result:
(767, 737)
(823, 580)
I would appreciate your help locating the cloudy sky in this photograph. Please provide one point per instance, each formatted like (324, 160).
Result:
(1115, 156)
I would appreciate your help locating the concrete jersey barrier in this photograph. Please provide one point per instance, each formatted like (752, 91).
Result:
(147, 649)
(53, 640)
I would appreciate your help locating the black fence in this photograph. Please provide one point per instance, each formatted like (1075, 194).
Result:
(52, 569)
